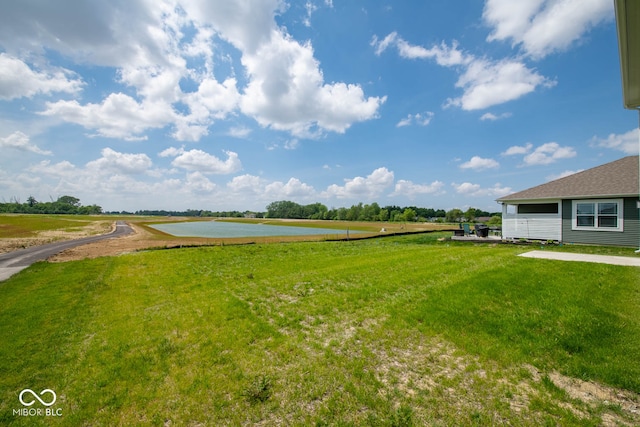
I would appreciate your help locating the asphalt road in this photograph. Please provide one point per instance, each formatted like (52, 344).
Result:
(12, 262)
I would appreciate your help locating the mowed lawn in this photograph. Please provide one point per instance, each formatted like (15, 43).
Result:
(384, 332)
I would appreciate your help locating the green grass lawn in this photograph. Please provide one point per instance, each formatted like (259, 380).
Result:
(386, 332)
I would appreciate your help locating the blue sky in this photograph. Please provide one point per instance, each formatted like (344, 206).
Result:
(233, 104)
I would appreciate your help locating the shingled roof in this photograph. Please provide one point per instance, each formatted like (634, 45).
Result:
(618, 178)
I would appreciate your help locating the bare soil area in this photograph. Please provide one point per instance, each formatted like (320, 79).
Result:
(140, 239)
(594, 394)
(50, 236)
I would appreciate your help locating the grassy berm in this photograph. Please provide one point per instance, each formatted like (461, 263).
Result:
(387, 332)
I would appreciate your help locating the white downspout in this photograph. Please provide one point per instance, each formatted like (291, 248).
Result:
(638, 202)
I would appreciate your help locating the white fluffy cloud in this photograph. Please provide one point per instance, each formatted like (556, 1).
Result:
(287, 92)
(165, 54)
(476, 190)
(411, 190)
(250, 184)
(487, 83)
(541, 27)
(239, 132)
(484, 82)
(213, 100)
(479, 163)
(171, 152)
(245, 24)
(122, 179)
(518, 149)
(103, 33)
(626, 142)
(18, 80)
(19, 141)
(492, 117)
(466, 188)
(263, 190)
(444, 55)
(367, 187)
(201, 161)
(420, 119)
(294, 188)
(123, 163)
(548, 153)
(310, 8)
(199, 183)
(118, 116)
(544, 154)
(63, 169)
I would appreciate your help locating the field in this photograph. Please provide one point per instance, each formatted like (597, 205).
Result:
(405, 330)
(20, 231)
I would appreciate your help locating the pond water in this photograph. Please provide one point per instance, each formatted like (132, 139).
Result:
(236, 229)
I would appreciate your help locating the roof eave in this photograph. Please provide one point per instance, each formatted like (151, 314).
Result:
(570, 197)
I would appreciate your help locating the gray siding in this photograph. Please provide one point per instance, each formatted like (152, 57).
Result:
(630, 237)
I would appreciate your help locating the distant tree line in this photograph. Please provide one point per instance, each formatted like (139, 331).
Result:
(63, 205)
(371, 212)
(194, 213)
(279, 209)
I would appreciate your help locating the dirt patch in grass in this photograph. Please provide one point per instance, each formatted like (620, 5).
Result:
(594, 395)
(50, 236)
(457, 384)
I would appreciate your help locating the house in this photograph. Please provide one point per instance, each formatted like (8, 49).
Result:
(596, 206)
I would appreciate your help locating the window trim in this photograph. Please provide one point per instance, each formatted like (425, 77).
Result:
(512, 209)
(596, 227)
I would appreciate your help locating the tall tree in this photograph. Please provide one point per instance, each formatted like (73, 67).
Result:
(69, 200)
(409, 215)
(454, 215)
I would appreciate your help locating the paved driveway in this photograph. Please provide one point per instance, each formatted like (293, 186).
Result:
(566, 256)
(12, 262)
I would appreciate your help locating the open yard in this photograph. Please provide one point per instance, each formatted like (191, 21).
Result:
(386, 332)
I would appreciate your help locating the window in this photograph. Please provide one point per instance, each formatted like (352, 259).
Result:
(608, 215)
(586, 214)
(602, 215)
(538, 208)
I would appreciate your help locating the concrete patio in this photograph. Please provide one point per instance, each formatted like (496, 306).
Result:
(474, 238)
